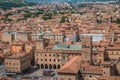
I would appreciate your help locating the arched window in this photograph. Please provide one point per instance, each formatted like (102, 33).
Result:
(41, 59)
(58, 60)
(90, 76)
(45, 54)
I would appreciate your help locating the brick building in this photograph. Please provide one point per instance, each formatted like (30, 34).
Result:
(17, 62)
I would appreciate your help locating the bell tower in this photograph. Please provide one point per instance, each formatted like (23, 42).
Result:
(40, 44)
(87, 48)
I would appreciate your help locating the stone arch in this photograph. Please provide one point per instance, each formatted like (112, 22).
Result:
(42, 66)
(54, 66)
(38, 66)
(50, 66)
(58, 66)
(46, 66)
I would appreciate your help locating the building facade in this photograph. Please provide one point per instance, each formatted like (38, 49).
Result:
(17, 63)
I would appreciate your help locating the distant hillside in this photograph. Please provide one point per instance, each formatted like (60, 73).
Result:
(118, 0)
(57, 1)
(7, 4)
(13, 1)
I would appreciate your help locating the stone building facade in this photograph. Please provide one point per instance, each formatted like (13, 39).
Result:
(17, 63)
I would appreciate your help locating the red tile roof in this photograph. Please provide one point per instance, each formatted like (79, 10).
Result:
(71, 66)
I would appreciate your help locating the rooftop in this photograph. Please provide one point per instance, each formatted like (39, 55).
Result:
(71, 66)
(95, 37)
(61, 46)
(17, 55)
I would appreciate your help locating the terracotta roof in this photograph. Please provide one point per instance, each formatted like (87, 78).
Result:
(9, 78)
(109, 78)
(101, 49)
(108, 63)
(115, 48)
(18, 55)
(96, 43)
(2, 55)
(69, 42)
(84, 64)
(117, 31)
(92, 70)
(71, 66)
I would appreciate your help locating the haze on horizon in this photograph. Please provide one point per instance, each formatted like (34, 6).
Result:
(57, 1)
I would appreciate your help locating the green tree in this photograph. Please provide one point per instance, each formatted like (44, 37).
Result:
(64, 19)
(47, 16)
(7, 19)
(118, 20)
